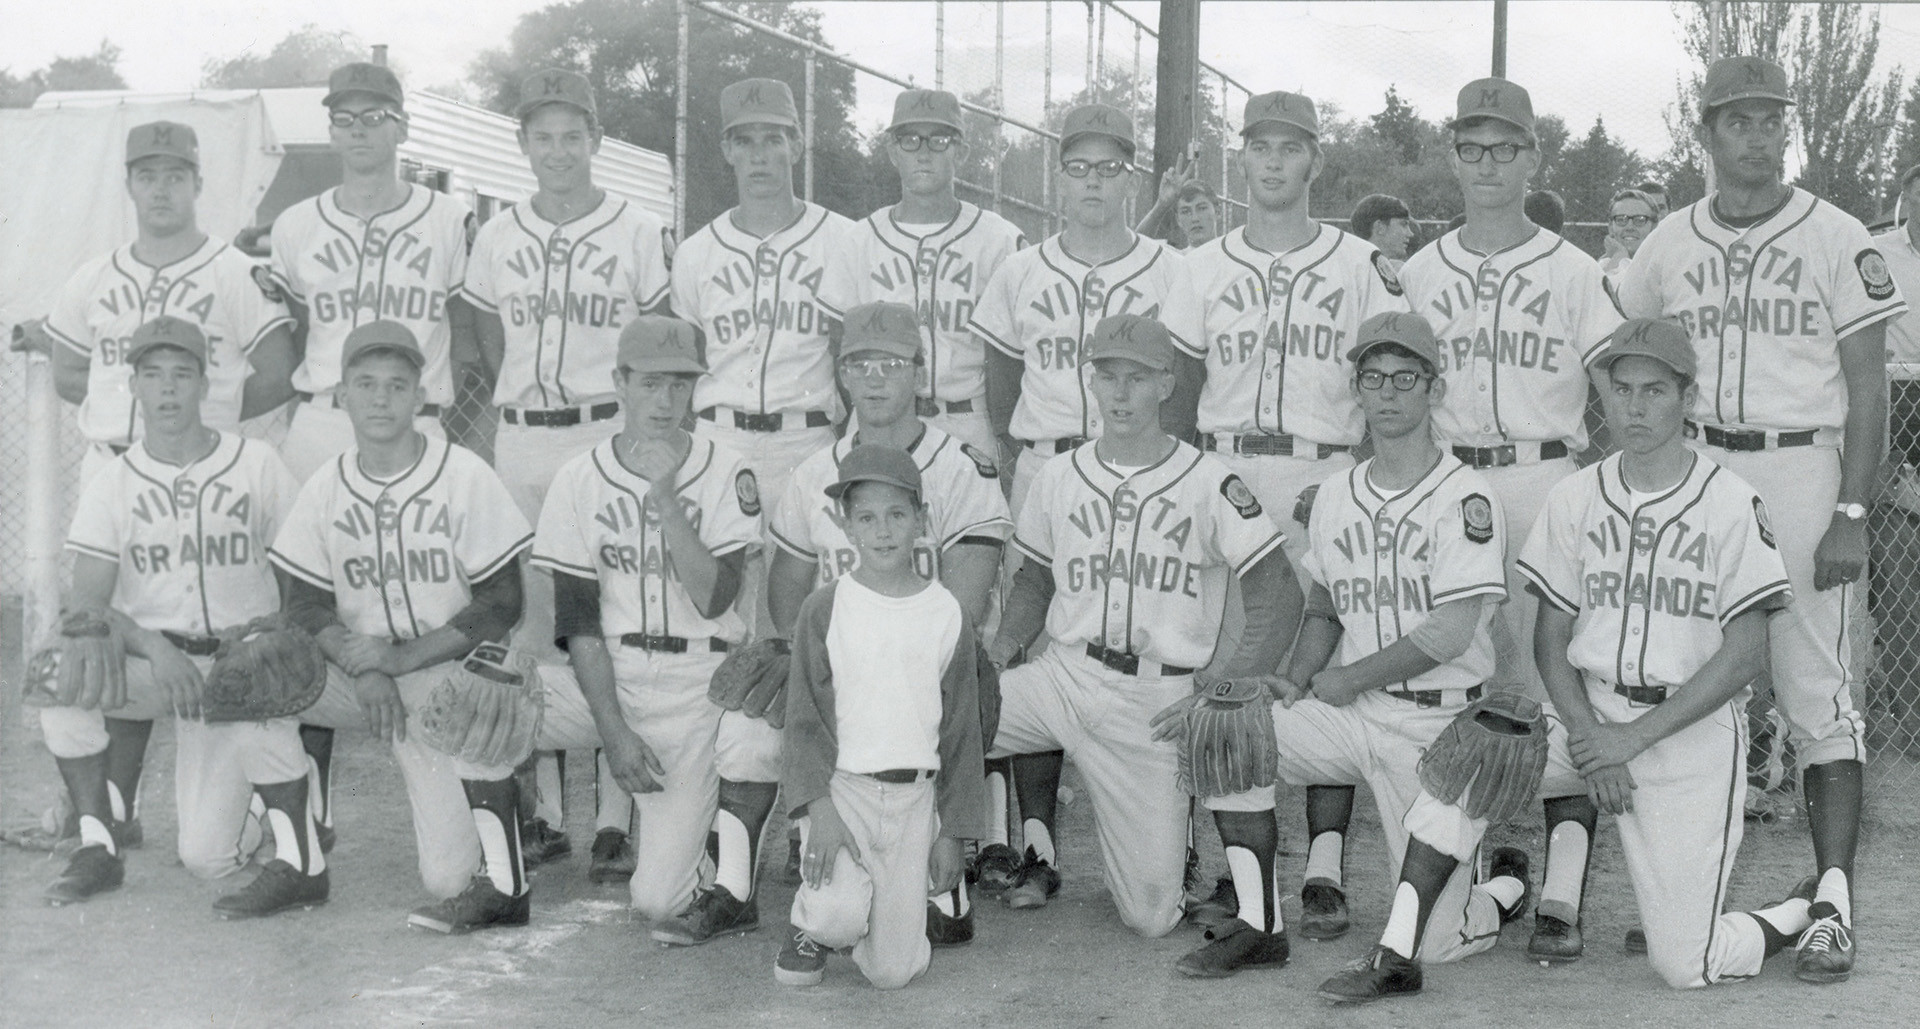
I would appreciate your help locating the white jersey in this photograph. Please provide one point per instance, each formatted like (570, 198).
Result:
(941, 271)
(1903, 333)
(401, 265)
(961, 490)
(758, 302)
(1042, 306)
(597, 525)
(400, 555)
(1389, 559)
(216, 288)
(191, 541)
(1140, 556)
(1277, 328)
(1516, 330)
(1766, 306)
(563, 293)
(1653, 579)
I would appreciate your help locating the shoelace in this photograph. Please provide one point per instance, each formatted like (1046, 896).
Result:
(804, 946)
(1824, 936)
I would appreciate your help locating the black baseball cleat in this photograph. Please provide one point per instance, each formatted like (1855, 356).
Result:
(944, 930)
(541, 843)
(613, 857)
(1825, 951)
(1511, 861)
(480, 906)
(1218, 908)
(326, 835)
(90, 870)
(1555, 941)
(1323, 911)
(1377, 976)
(1037, 884)
(717, 912)
(279, 886)
(1233, 945)
(997, 869)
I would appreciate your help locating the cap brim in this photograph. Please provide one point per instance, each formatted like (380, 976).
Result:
(134, 355)
(191, 162)
(675, 366)
(941, 122)
(891, 347)
(1608, 356)
(413, 356)
(338, 95)
(1360, 350)
(1754, 94)
(1158, 364)
(1308, 129)
(526, 107)
(839, 489)
(778, 121)
(1127, 144)
(1459, 123)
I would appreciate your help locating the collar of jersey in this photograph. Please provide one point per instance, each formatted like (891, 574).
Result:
(1364, 482)
(207, 248)
(330, 203)
(1239, 236)
(1539, 242)
(740, 239)
(357, 476)
(923, 447)
(1055, 248)
(1086, 455)
(1613, 483)
(1795, 205)
(524, 213)
(689, 471)
(224, 444)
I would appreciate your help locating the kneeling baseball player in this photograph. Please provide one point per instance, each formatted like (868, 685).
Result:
(170, 555)
(883, 751)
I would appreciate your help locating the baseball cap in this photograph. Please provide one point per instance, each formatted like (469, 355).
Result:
(758, 102)
(361, 77)
(555, 86)
(1743, 78)
(163, 139)
(871, 462)
(1398, 327)
(927, 107)
(887, 327)
(1097, 120)
(389, 336)
(1494, 98)
(167, 331)
(1664, 341)
(1282, 108)
(1134, 338)
(657, 343)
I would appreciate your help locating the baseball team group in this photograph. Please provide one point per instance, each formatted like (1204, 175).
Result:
(884, 520)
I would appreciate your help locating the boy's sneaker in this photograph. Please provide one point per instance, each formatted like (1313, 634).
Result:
(802, 962)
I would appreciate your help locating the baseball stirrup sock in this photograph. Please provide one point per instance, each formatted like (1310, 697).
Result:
(1251, 840)
(1833, 792)
(614, 805)
(496, 817)
(550, 787)
(744, 807)
(999, 780)
(126, 757)
(295, 840)
(1571, 822)
(1326, 858)
(1835, 890)
(952, 903)
(317, 741)
(1039, 839)
(1783, 923)
(86, 779)
(1423, 876)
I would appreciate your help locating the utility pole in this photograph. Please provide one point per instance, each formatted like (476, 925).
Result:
(1499, 39)
(1176, 86)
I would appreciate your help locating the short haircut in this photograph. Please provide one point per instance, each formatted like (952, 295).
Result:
(1374, 209)
(846, 497)
(1632, 194)
(1545, 209)
(1199, 190)
(1907, 177)
(1385, 349)
(593, 120)
(1650, 186)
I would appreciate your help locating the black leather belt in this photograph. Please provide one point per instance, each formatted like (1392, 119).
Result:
(671, 644)
(1272, 444)
(765, 422)
(1508, 453)
(1749, 439)
(426, 410)
(1121, 661)
(193, 646)
(1060, 446)
(901, 776)
(927, 407)
(1432, 698)
(1647, 695)
(559, 417)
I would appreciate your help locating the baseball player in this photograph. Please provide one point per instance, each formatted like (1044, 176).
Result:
(1405, 553)
(934, 253)
(1787, 303)
(882, 360)
(646, 536)
(402, 554)
(170, 269)
(171, 538)
(1519, 311)
(552, 283)
(1128, 543)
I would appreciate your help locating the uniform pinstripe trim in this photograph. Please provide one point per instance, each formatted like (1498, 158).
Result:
(1273, 543)
(793, 547)
(68, 341)
(557, 565)
(1481, 589)
(1547, 592)
(1890, 311)
(728, 547)
(1028, 550)
(512, 552)
(1736, 771)
(266, 330)
(975, 529)
(1777, 588)
(998, 344)
(298, 571)
(93, 551)
(475, 299)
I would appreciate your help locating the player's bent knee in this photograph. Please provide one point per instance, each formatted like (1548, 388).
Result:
(1680, 970)
(1260, 798)
(1151, 924)
(73, 732)
(209, 862)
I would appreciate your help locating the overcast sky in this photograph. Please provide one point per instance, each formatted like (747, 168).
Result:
(1578, 59)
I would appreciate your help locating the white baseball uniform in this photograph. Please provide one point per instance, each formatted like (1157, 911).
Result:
(216, 288)
(190, 543)
(1517, 329)
(1140, 559)
(1767, 305)
(598, 525)
(941, 271)
(401, 265)
(399, 556)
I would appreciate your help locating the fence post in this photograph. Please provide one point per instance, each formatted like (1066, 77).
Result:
(41, 605)
(940, 44)
(1090, 4)
(999, 100)
(812, 62)
(680, 122)
(1046, 112)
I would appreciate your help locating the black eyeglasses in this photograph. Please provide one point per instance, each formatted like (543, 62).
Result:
(371, 119)
(1632, 221)
(1402, 381)
(1111, 168)
(912, 141)
(1503, 153)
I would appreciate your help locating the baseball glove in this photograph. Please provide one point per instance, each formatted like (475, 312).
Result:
(753, 681)
(488, 709)
(268, 668)
(86, 667)
(1225, 738)
(1489, 759)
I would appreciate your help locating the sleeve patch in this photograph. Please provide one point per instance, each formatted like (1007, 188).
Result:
(1240, 497)
(746, 489)
(1387, 277)
(263, 278)
(1477, 513)
(1763, 523)
(1303, 507)
(985, 465)
(1874, 274)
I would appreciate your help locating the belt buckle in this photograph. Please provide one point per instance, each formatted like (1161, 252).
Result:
(1119, 661)
(756, 422)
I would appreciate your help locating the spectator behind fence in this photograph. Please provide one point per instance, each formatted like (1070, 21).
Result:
(1545, 209)
(1657, 194)
(1630, 217)
(1385, 222)
(1894, 528)
(1187, 213)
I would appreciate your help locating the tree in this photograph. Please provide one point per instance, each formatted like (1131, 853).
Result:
(1401, 129)
(98, 70)
(1587, 174)
(304, 58)
(1906, 153)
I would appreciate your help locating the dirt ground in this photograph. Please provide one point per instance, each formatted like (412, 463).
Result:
(152, 953)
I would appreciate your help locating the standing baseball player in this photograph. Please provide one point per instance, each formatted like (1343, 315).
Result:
(647, 535)
(1128, 543)
(402, 555)
(881, 363)
(170, 269)
(552, 283)
(934, 253)
(170, 541)
(1787, 303)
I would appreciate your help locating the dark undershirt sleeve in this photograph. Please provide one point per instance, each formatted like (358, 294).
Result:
(306, 605)
(576, 608)
(495, 607)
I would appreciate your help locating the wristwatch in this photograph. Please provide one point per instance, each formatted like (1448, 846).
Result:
(1854, 512)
